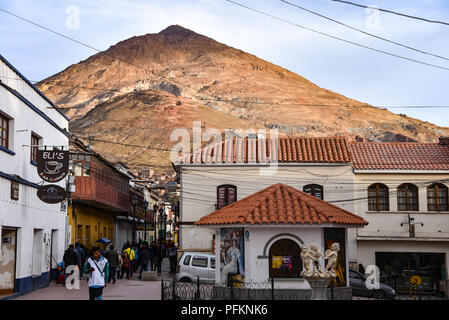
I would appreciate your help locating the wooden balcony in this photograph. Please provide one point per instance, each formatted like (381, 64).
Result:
(96, 193)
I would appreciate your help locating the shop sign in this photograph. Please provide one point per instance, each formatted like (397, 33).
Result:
(51, 193)
(52, 165)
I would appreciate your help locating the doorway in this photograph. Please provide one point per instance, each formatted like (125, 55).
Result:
(8, 259)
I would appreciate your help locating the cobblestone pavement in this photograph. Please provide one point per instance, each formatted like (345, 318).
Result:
(133, 289)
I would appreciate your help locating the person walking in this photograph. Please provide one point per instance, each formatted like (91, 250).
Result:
(158, 256)
(131, 255)
(112, 257)
(152, 254)
(120, 262)
(144, 255)
(126, 265)
(97, 267)
(71, 257)
(172, 256)
(82, 256)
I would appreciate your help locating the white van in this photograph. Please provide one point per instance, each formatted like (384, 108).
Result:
(196, 264)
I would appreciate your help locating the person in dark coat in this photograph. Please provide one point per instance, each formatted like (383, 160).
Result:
(144, 256)
(71, 257)
(158, 256)
(112, 256)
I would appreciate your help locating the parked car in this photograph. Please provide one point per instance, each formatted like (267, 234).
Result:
(357, 282)
(192, 265)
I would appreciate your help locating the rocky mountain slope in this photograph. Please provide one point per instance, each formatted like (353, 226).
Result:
(142, 88)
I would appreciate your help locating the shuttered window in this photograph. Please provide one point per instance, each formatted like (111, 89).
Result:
(4, 131)
(226, 194)
(408, 197)
(378, 197)
(437, 197)
(314, 189)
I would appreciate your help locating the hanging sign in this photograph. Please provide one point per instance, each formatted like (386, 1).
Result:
(52, 165)
(52, 193)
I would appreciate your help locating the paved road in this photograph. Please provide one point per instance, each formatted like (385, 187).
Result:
(133, 289)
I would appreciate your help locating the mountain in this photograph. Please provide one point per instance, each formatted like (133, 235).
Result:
(139, 90)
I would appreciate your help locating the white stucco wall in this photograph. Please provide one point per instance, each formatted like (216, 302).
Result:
(29, 213)
(199, 193)
(257, 248)
(385, 227)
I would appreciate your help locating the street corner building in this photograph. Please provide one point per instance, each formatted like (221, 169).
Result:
(393, 197)
(267, 230)
(32, 232)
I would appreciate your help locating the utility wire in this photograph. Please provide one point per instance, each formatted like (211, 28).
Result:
(393, 12)
(364, 32)
(336, 38)
(78, 105)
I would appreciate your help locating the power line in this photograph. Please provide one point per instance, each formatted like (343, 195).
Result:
(393, 12)
(249, 101)
(336, 38)
(364, 32)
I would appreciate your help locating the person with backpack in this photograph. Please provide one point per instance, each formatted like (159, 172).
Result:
(97, 267)
(112, 257)
(126, 265)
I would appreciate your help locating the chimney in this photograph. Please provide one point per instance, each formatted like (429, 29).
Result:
(444, 141)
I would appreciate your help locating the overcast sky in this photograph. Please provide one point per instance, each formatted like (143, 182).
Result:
(355, 72)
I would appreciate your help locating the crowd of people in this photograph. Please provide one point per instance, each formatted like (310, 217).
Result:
(104, 266)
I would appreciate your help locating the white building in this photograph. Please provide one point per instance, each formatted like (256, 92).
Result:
(33, 235)
(317, 166)
(403, 192)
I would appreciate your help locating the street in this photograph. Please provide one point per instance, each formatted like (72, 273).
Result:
(133, 289)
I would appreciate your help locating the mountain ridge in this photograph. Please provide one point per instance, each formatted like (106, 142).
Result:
(178, 75)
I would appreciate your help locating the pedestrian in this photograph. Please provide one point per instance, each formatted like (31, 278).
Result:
(112, 257)
(172, 256)
(135, 260)
(97, 267)
(159, 256)
(120, 262)
(126, 265)
(131, 256)
(144, 255)
(71, 257)
(153, 255)
(82, 256)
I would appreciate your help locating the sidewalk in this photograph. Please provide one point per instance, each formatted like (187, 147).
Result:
(133, 289)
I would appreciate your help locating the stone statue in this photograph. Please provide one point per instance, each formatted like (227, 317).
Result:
(316, 255)
(306, 258)
(318, 278)
(332, 256)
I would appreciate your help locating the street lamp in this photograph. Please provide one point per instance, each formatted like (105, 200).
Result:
(145, 207)
(161, 211)
(134, 201)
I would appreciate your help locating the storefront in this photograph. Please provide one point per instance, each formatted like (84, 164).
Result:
(397, 268)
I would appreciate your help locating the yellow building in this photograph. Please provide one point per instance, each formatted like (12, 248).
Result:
(88, 224)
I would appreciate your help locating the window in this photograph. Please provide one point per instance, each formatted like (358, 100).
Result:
(314, 190)
(34, 142)
(437, 197)
(4, 131)
(212, 263)
(226, 194)
(187, 260)
(285, 260)
(355, 275)
(407, 197)
(81, 163)
(199, 262)
(378, 197)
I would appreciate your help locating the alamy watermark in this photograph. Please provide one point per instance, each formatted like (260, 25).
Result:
(249, 146)
(72, 20)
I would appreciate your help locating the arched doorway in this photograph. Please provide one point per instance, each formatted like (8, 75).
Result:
(284, 259)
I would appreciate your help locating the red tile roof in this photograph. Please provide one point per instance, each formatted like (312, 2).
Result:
(281, 204)
(399, 156)
(289, 150)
